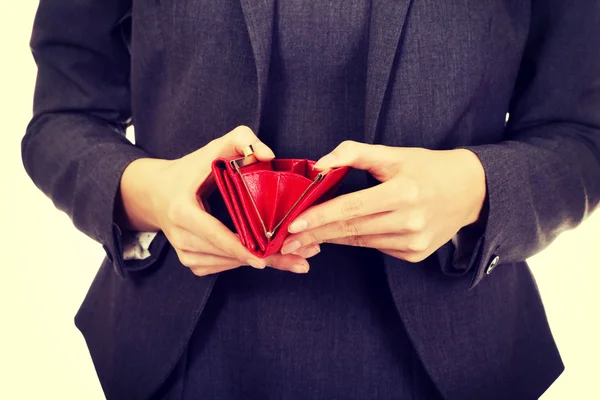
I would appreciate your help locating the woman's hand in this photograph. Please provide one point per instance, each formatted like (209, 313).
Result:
(168, 195)
(424, 199)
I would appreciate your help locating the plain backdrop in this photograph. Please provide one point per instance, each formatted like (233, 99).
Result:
(47, 265)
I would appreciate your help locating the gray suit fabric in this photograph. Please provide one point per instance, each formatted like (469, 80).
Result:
(333, 333)
(439, 75)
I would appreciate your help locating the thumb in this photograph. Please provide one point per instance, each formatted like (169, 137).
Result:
(233, 144)
(240, 138)
(357, 155)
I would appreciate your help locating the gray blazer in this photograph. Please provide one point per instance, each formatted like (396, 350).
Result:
(441, 75)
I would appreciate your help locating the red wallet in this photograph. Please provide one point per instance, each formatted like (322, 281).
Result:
(263, 198)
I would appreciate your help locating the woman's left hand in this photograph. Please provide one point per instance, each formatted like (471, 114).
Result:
(425, 198)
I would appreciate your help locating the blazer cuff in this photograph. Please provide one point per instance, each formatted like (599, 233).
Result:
(458, 257)
(482, 250)
(109, 234)
(116, 256)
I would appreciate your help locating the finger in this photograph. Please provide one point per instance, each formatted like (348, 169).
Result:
(307, 251)
(288, 262)
(357, 155)
(205, 260)
(216, 234)
(209, 270)
(407, 255)
(205, 270)
(406, 243)
(378, 199)
(262, 151)
(382, 223)
(185, 240)
(241, 137)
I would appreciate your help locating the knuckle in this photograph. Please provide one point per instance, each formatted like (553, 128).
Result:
(346, 145)
(416, 222)
(411, 193)
(396, 192)
(201, 271)
(418, 244)
(176, 239)
(351, 207)
(389, 169)
(242, 129)
(235, 251)
(310, 238)
(399, 186)
(414, 257)
(275, 261)
(186, 260)
(358, 241)
(243, 133)
(320, 218)
(349, 229)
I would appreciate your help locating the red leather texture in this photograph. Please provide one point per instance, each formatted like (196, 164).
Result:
(275, 187)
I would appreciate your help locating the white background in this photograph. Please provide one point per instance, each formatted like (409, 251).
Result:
(47, 266)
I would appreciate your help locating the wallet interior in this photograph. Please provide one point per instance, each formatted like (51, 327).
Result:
(264, 194)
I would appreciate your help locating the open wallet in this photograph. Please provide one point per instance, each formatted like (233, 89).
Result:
(264, 197)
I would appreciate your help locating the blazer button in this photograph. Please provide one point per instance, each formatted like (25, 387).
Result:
(492, 265)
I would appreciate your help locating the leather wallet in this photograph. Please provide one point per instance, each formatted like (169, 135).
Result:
(263, 198)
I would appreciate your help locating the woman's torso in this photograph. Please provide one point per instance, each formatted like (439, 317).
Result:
(334, 332)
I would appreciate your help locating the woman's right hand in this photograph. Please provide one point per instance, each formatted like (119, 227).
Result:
(168, 195)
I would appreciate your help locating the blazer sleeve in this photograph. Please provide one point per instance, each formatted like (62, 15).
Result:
(75, 148)
(545, 177)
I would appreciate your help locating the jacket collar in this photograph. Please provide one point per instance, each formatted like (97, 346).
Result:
(259, 20)
(387, 22)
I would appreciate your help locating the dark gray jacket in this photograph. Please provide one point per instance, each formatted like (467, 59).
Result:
(441, 75)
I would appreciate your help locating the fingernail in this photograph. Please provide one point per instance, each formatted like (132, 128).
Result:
(297, 226)
(325, 161)
(290, 247)
(310, 252)
(299, 268)
(255, 264)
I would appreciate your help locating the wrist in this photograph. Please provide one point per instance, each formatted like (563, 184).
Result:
(475, 189)
(137, 197)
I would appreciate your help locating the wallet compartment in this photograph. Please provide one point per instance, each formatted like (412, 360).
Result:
(264, 197)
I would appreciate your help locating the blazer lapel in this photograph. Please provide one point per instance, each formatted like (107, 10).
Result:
(387, 22)
(259, 20)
